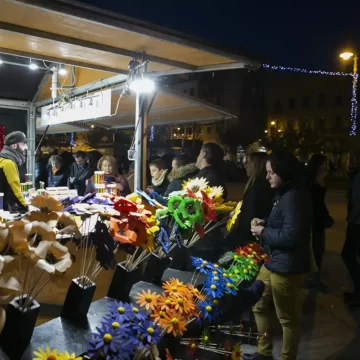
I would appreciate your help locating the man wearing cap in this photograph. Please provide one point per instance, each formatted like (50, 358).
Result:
(12, 156)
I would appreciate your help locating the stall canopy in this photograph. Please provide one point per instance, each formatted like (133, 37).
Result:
(97, 46)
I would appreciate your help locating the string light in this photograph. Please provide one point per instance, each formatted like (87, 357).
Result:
(353, 111)
(152, 135)
(306, 71)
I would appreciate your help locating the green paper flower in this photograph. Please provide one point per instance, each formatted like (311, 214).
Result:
(174, 203)
(179, 219)
(191, 210)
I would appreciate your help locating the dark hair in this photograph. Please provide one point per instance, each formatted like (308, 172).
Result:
(182, 160)
(80, 154)
(288, 167)
(214, 154)
(316, 161)
(159, 163)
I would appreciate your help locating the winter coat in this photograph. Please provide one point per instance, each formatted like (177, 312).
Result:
(257, 203)
(57, 179)
(286, 236)
(178, 176)
(161, 188)
(321, 218)
(81, 174)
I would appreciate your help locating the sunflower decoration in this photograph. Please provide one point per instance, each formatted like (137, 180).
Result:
(225, 207)
(196, 186)
(67, 356)
(46, 354)
(173, 323)
(236, 352)
(230, 224)
(216, 193)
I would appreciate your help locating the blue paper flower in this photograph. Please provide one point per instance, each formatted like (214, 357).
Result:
(123, 310)
(208, 311)
(150, 332)
(146, 197)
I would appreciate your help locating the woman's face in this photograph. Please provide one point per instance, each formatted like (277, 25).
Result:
(155, 172)
(106, 167)
(273, 178)
(55, 165)
(249, 166)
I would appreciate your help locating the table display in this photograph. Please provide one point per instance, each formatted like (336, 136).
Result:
(60, 223)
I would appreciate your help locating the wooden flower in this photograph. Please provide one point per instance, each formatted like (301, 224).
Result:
(46, 204)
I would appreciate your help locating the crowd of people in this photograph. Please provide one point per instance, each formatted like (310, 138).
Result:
(283, 209)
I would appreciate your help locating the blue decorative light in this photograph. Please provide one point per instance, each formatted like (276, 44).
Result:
(71, 139)
(152, 135)
(353, 111)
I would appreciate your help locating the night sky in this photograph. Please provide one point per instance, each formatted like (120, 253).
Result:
(306, 35)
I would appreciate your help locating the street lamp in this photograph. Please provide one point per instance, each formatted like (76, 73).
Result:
(353, 114)
(272, 123)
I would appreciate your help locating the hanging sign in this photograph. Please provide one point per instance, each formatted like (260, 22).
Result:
(90, 107)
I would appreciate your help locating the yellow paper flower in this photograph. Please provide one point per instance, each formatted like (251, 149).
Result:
(196, 185)
(225, 207)
(48, 354)
(230, 224)
(215, 193)
(67, 356)
(236, 353)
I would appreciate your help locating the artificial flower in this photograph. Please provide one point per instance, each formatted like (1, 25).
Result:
(147, 299)
(183, 305)
(196, 293)
(139, 228)
(41, 231)
(68, 356)
(19, 232)
(52, 257)
(158, 316)
(150, 332)
(66, 225)
(6, 259)
(173, 323)
(49, 219)
(215, 192)
(124, 206)
(175, 287)
(48, 354)
(230, 224)
(196, 185)
(121, 232)
(4, 238)
(236, 352)
(227, 207)
(174, 203)
(191, 210)
(180, 220)
(164, 304)
(46, 204)
(192, 347)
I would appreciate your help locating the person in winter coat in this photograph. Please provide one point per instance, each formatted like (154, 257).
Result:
(80, 172)
(159, 181)
(57, 173)
(257, 201)
(107, 164)
(12, 156)
(318, 167)
(210, 163)
(285, 236)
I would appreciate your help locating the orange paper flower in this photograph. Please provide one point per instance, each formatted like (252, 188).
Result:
(147, 300)
(175, 287)
(173, 322)
(183, 305)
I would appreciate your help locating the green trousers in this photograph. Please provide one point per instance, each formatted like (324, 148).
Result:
(285, 291)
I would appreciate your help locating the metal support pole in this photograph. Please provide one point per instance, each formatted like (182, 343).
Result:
(140, 141)
(31, 134)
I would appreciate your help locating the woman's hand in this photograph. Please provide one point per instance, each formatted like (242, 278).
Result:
(256, 230)
(119, 187)
(256, 221)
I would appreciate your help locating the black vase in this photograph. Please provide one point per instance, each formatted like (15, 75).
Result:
(78, 299)
(179, 258)
(122, 282)
(19, 326)
(155, 268)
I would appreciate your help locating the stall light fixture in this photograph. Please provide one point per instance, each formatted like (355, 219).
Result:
(33, 66)
(142, 85)
(62, 70)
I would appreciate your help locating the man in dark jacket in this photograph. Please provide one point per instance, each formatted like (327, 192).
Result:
(285, 236)
(210, 163)
(80, 171)
(12, 157)
(351, 250)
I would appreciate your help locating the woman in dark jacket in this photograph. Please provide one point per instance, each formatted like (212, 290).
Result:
(317, 170)
(285, 236)
(57, 173)
(257, 201)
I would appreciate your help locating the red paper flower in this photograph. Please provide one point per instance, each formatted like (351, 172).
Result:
(125, 206)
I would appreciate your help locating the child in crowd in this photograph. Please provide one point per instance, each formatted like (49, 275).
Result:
(158, 172)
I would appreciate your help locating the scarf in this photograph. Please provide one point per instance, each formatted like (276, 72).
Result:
(13, 155)
(160, 180)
